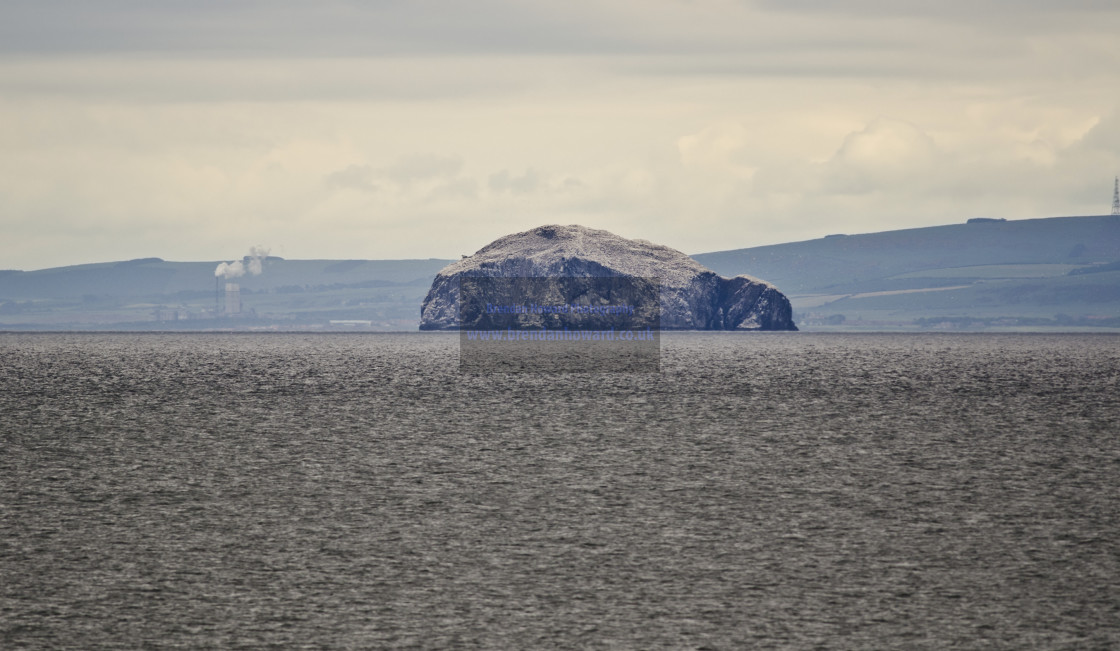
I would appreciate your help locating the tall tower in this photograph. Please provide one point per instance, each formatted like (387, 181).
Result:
(233, 298)
(1116, 196)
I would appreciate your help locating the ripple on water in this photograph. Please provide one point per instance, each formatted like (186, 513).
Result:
(794, 490)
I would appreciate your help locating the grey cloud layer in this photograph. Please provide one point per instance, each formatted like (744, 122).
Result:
(298, 28)
(428, 50)
(391, 27)
(422, 128)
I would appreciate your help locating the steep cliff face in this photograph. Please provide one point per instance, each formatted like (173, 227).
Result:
(692, 296)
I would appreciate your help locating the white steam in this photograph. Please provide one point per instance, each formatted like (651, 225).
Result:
(257, 254)
(230, 269)
(252, 263)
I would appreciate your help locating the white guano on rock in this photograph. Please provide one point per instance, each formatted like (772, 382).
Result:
(693, 297)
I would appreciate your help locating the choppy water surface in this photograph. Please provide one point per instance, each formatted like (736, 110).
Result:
(792, 490)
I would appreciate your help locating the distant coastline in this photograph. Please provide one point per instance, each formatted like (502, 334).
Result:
(1033, 275)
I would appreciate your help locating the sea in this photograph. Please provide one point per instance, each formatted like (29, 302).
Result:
(359, 490)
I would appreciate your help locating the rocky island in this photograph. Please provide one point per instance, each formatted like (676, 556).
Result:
(692, 297)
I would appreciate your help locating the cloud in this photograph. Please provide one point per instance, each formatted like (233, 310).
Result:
(401, 174)
(1104, 136)
(991, 12)
(416, 178)
(423, 167)
(455, 189)
(168, 77)
(504, 182)
(355, 177)
(723, 145)
(395, 129)
(373, 28)
(883, 154)
(388, 28)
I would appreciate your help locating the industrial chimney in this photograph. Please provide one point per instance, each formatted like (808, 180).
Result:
(233, 298)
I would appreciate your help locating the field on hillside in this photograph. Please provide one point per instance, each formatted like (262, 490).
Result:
(1035, 274)
(155, 294)
(1015, 275)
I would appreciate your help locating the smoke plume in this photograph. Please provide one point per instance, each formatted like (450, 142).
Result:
(253, 263)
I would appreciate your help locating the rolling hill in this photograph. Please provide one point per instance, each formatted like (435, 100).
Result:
(1059, 271)
(1032, 274)
(150, 293)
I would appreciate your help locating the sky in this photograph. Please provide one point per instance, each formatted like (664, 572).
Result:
(389, 129)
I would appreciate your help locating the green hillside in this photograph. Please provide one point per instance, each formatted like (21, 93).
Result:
(1026, 274)
(152, 293)
(1033, 274)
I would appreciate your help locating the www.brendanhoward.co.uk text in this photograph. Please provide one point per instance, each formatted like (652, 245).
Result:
(563, 334)
(533, 308)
